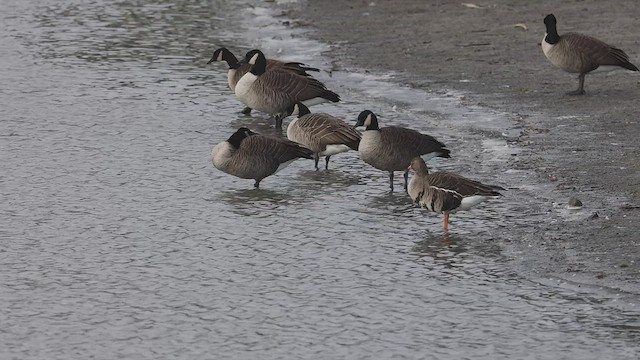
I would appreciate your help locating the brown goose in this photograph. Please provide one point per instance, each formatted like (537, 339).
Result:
(237, 69)
(392, 148)
(578, 53)
(290, 66)
(249, 155)
(324, 134)
(446, 192)
(273, 92)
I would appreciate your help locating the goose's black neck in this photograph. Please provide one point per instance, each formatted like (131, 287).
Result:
(231, 59)
(368, 119)
(552, 33)
(372, 123)
(303, 110)
(259, 64)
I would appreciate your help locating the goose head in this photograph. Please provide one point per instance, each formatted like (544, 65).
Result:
(236, 138)
(250, 54)
(368, 119)
(223, 54)
(552, 33)
(257, 60)
(418, 166)
(550, 20)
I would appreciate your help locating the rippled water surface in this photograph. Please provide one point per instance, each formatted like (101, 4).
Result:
(120, 240)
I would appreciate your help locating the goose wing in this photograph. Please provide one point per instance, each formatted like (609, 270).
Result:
(433, 198)
(462, 185)
(413, 142)
(278, 149)
(293, 67)
(299, 88)
(593, 52)
(329, 130)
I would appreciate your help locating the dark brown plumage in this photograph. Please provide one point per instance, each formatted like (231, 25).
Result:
(324, 134)
(273, 92)
(237, 69)
(578, 53)
(392, 148)
(249, 155)
(444, 192)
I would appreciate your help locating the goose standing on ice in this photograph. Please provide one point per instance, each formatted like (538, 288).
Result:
(249, 155)
(392, 148)
(237, 69)
(444, 192)
(273, 92)
(324, 134)
(578, 53)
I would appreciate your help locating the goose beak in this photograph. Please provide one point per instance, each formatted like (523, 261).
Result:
(210, 61)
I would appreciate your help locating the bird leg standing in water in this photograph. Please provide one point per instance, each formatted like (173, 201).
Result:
(406, 179)
(278, 122)
(316, 158)
(446, 222)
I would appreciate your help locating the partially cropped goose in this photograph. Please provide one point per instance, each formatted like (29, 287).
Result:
(392, 148)
(324, 134)
(444, 192)
(237, 69)
(249, 155)
(578, 53)
(291, 66)
(273, 92)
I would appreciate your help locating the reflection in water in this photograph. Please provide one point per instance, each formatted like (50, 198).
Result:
(258, 122)
(337, 177)
(123, 241)
(248, 202)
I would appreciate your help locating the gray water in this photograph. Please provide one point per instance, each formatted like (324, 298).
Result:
(120, 240)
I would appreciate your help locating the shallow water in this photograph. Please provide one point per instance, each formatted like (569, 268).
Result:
(120, 239)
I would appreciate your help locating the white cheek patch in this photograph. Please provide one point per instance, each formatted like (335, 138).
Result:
(367, 121)
(253, 60)
(220, 57)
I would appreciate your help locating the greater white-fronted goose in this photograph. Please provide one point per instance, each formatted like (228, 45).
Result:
(273, 92)
(444, 192)
(578, 53)
(237, 68)
(249, 155)
(324, 134)
(392, 148)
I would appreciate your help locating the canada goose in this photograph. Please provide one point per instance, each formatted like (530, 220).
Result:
(249, 155)
(237, 69)
(392, 148)
(446, 192)
(578, 53)
(273, 92)
(324, 134)
(291, 66)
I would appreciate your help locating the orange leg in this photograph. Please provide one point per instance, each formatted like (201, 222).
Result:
(446, 222)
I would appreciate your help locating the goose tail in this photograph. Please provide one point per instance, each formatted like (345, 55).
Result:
(331, 96)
